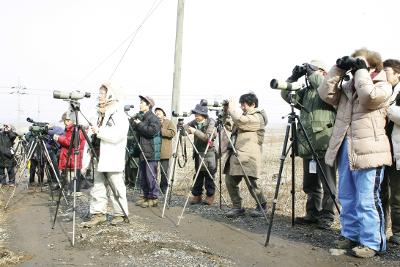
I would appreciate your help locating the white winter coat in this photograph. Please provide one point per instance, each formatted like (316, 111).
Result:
(113, 137)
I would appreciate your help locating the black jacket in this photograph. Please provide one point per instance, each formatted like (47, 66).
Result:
(6, 144)
(148, 131)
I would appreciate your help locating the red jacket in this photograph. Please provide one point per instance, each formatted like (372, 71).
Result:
(65, 141)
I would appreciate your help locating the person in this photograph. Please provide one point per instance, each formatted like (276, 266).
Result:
(36, 161)
(317, 118)
(361, 148)
(148, 127)
(248, 129)
(109, 137)
(132, 157)
(168, 131)
(66, 163)
(204, 131)
(390, 188)
(38, 158)
(7, 163)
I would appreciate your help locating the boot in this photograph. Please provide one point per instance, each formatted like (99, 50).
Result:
(96, 219)
(209, 200)
(141, 200)
(195, 200)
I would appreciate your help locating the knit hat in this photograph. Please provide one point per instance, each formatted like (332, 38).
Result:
(199, 109)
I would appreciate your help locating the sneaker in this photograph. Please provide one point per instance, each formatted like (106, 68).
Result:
(140, 201)
(116, 220)
(395, 239)
(96, 219)
(257, 212)
(195, 200)
(235, 212)
(363, 252)
(345, 243)
(308, 219)
(325, 223)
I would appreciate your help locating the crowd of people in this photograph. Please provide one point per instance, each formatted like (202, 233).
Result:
(352, 125)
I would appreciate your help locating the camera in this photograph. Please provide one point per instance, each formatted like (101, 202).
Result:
(180, 127)
(38, 128)
(138, 116)
(281, 85)
(74, 95)
(214, 104)
(128, 107)
(184, 114)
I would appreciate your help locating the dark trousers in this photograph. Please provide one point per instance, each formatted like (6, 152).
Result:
(32, 171)
(203, 179)
(390, 195)
(319, 200)
(131, 171)
(11, 175)
(68, 179)
(148, 178)
(164, 170)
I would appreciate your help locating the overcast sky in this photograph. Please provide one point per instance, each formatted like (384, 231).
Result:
(229, 48)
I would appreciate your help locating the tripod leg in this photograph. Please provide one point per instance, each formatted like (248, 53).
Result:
(293, 158)
(315, 156)
(50, 162)
(27, 159)
(57, 207)
(171, 176)
(278, 182)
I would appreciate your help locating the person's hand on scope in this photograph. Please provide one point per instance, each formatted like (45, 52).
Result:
(95, 129)
(191, 130)
(55, 137)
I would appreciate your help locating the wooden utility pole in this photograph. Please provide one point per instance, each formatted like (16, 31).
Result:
(176, 90)
(18, 90)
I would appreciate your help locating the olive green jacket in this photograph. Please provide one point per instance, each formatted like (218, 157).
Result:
(316, 116)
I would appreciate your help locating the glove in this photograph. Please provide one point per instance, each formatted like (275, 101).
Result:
(359, 64)
(344, 63)
(297, 72)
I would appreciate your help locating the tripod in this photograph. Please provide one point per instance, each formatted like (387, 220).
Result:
(291, 128)
(38, 145)
(74, 146)
(202, 163)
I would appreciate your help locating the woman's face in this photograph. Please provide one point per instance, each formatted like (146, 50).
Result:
(102, 95)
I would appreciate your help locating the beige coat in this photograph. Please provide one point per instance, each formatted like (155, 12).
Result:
(361, 116)
(168, 131)
(249, 129)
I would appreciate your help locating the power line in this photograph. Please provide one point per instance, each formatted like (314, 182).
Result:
(149, 13)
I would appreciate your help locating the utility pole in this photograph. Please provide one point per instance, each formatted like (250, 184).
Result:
(18, 90)
(176, 90)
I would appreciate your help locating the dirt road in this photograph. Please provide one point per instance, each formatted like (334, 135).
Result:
(205, 237)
